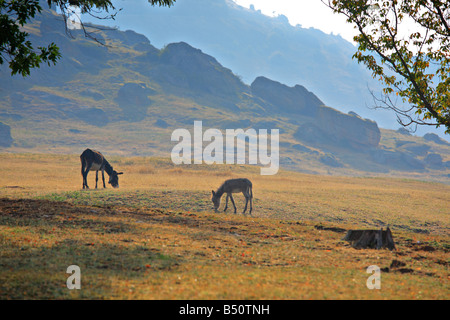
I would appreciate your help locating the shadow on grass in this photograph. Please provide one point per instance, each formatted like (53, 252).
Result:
(165, 199)
(35, 257)
(40, 273)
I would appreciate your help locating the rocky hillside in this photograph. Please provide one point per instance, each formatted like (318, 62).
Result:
(253, 45)
(5, 136)
(127, 98)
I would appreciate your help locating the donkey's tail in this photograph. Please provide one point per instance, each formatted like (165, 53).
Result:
(83, 165)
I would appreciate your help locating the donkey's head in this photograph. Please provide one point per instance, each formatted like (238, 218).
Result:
(114, 179)
(215, 200)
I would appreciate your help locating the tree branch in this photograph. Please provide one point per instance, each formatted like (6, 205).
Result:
(441, 16)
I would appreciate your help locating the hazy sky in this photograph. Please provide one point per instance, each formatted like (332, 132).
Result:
(307, 13)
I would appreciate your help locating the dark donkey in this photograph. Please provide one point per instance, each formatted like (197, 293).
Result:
(94, 160)
(233, 186)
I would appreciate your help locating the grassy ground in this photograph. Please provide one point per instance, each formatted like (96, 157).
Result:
(157, 237)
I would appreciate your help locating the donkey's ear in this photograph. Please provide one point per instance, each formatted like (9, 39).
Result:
(213, 193)
(119, 173)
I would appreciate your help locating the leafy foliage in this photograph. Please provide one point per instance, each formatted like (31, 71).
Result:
(14, 46)
(19, 51)
(418, 65)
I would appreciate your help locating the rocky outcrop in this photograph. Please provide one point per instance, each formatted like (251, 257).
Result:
(93, 116)
(286, 99)
(160, 123)
(348, 130)
(134, 94)
(334, 128)
(181, 66)
(417, 149)
(133, 99)
(331, 161)
(435, 138)
(6, 139)
(404, 131)
(323, 125)
(434, 161)
(396, 160)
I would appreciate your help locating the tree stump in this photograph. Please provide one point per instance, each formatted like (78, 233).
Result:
(375, 239)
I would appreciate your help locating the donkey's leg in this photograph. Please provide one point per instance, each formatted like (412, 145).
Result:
(88, 167)
(83, 167)
(251, 199)
(85, 186)
(232, 201)
(246, 195)
(226, 203)
(103, 178)
(96, 178)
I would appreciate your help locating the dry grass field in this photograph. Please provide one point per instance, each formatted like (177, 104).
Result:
(157, 236)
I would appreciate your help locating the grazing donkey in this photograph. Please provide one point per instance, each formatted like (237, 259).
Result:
(94, 160)
(233, 186)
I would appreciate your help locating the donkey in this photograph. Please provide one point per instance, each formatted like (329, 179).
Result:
(233, 186)
(94, 160)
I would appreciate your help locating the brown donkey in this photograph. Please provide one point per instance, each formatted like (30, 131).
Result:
(234, 186)
(94, 160)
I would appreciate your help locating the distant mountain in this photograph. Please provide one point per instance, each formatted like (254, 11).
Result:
(252, 45)
(128, 97)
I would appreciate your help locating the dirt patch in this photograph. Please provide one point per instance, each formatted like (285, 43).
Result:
(425, 248)
(402, 268)
(397, 264)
